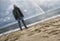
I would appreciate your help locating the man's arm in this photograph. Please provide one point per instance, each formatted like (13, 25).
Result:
(20, 12)
(14, 14)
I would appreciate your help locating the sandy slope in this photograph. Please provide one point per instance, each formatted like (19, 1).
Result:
(45, 31)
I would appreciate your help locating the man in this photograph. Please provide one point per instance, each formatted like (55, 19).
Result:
(18, 16)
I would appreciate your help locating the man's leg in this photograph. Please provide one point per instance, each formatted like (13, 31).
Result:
(24, 23)
(19, 25)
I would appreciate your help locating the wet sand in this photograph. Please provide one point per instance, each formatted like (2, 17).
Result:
(45, 31)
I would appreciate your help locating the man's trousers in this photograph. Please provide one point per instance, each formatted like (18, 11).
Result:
(19, 23)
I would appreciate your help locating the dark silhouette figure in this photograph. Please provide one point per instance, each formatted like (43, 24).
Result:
(18, 16)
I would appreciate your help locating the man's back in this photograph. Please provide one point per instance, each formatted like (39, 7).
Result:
(19, 16)
(17, 13)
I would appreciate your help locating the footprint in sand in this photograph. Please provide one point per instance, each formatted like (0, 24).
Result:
(54, 32)
(34, 32)
(45, 36)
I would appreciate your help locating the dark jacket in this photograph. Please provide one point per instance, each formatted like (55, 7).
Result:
(17, 13)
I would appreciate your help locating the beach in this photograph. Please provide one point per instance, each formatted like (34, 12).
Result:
(45, 31)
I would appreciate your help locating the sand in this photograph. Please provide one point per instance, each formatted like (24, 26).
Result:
(46, 31)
